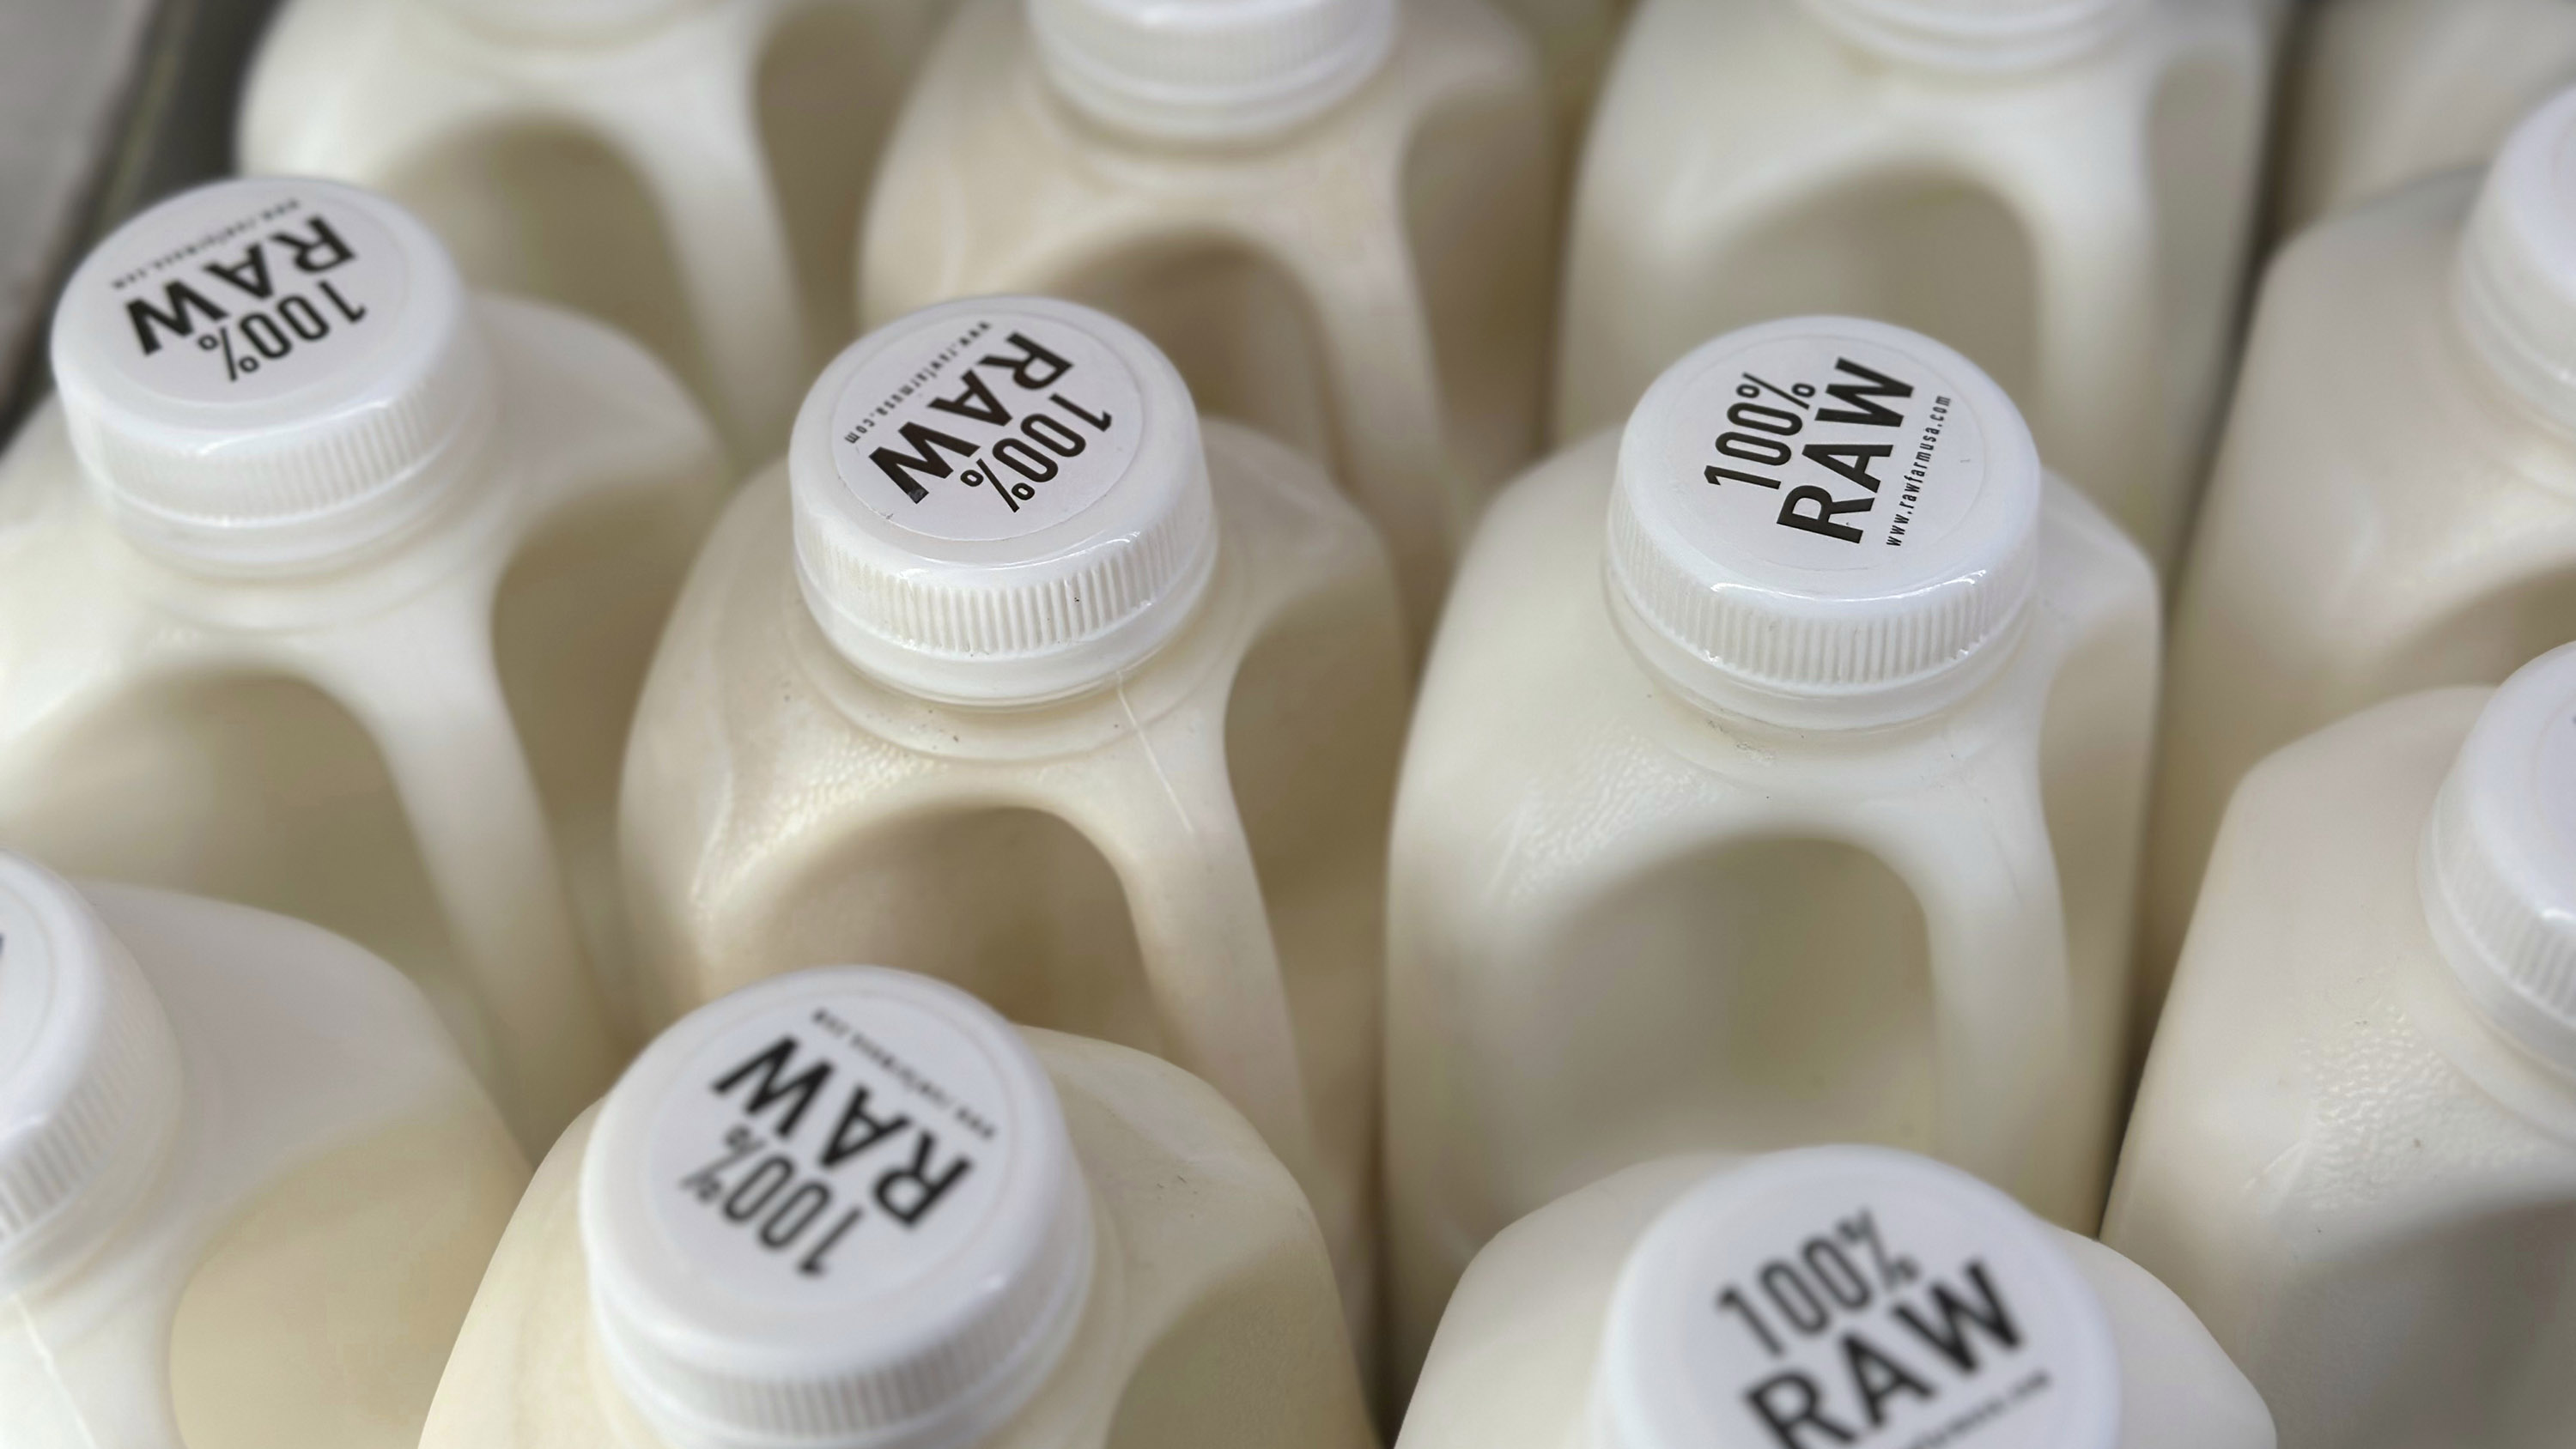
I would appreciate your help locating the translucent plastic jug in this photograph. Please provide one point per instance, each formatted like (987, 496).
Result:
(1821, 1297)
(2354, 1152)
(2394, 506)
(1776, 780)
(2062, 189)
(247, 1186)
(1333, 215)
(690, 170)
(853, 1206)
(1013, 674)
(2387, 92)
(329, 588)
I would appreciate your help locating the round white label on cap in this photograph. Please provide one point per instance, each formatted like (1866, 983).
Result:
(245, 293)
(1858, 1308)
(990, 425)
(1824, 452)
(830, 1150)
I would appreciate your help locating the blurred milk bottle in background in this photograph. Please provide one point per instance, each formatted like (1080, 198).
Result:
(2394, 505)
(854, 1206)
(247, 1186)
(1819, 1297)
(690, 170)
(329, 588)
(1013, 674)
(1333, 215)
(2354, 1152)
(1776, 780)
(2384, 92)
(2061, 189)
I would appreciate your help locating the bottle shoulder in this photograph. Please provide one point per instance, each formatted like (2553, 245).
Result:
(1188, 1206)
(2314, 1042)
(294, 1043)
(1534, 708)
(742, 636)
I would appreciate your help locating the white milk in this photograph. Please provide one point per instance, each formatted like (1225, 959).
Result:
(2062, 189)
(246, 1184)
(2355, 1149)
(328, 588)
(2394, 506)
(1333, 215)
(1732, 822)
(1823, 1297)
(689, 170)
(1102, 726)
(2384, 92)
(853, 1206)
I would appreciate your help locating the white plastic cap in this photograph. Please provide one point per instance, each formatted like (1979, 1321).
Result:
(564, 20)
(1976, 35)
(1823, 522)
(1002, 500)
(1853, 1296)
(2498, 864)
(270, 373)
(2517, 268)
(1209, 70)
(89, 1076)
(837, 1208)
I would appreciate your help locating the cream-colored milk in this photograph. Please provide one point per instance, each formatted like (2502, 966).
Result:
(417, 746)
(2078, 227)
(1624, 924)
(1371, 287)
(295, 1276)
(2364, 1189)
(693, 172)
(1516, 1362)
(1153, 862)
(2387, 514)
(2385, 92)
(1211, 1317)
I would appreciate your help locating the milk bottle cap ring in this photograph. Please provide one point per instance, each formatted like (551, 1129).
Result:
(89, 1074)
(838, 1207)
(270, 372)
(2498, 864)
(1209, 70)
(1856, 1296)
(2517, 268)
(1001, 500)
(1976, 35)
(1823, 522)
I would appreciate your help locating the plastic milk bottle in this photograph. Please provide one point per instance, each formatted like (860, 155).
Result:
(2395, 504)
(1815, 1299)
(1334, 215)
(329, 588)
(1014, 674)
(247, 1185)
(2061, 189)
(690, 170)
(855, 1207)
(1776, 780)
(2355, 1148)
(2386, 92)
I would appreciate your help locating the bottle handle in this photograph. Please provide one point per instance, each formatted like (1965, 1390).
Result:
(696, 148)
(1211, 962)
(1975, 847)
(470, 798)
